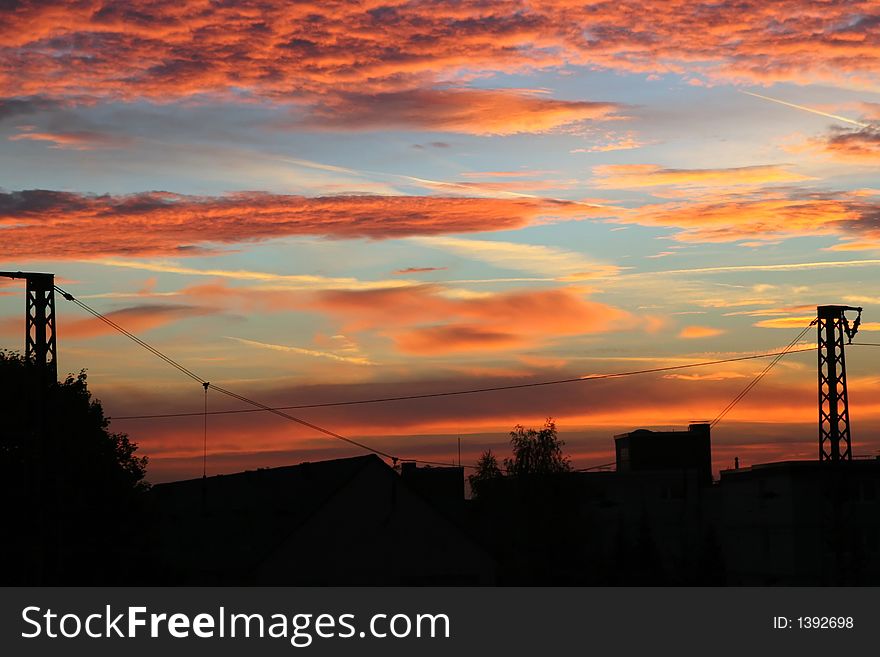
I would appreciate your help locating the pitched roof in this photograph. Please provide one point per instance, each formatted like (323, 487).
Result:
(229, 522)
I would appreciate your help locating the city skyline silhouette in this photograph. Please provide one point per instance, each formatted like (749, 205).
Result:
(398, 240)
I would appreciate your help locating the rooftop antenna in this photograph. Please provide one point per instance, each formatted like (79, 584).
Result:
(834, 428)
(205, 385)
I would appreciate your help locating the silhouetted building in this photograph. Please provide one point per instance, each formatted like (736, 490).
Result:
(653, 526)
(442, 486)
(802, 523)
(659, 519)
(597, 528)
(348, 521)
(644, 450)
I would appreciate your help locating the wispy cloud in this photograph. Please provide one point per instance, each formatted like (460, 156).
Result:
(77, 140)
(543, 260)
(802, 320)
(416, 270)
(471, 111)
(284, 281)
(696, 332)
(301, 351)
(623, 176)
(614, 142)
(140, 318)
(790, 266)
(425, 320)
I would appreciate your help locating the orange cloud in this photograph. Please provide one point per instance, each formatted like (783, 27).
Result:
(802, 321)
(782, 412)
(471, 111)
(860, 146)
(523, 173)
(420, 319)
(136, 319)
(41, 223)
(623, 176)
(292, 53)
(614, 142)
(693, 332)
(243, 298)
(431, 319)
(763, 215)
(83, 140)
(456, 338)
(416, 270)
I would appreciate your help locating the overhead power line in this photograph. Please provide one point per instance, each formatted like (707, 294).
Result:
(117, 327)
(601, 466)
(229, 393)
(280, 410)
(788, 349)
(469, 391)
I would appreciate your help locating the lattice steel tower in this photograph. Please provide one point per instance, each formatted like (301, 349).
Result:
(39, 344)
(834, 430)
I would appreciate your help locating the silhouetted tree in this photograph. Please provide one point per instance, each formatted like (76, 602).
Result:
(485, 470)
(73, 487)
(536, 452)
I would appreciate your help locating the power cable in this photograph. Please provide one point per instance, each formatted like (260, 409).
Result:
(470, 391)
(132, 336)
(207, 385)
(788, 349)
(596, 467)
(259, 407)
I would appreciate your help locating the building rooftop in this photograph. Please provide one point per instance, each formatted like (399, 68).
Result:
(871, 463)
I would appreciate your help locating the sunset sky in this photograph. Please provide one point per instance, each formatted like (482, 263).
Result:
(322, 201)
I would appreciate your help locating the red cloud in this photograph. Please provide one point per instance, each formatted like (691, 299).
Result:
(588, 413)
(762, 215)
(861, 146)
(80, 140)
(416, 270)
(426, 319)
(457, 338)
(40, 223)
(473, 111)
(421, 320)
(627, 176)
(695, 332)
(302, 53)
(137, 319)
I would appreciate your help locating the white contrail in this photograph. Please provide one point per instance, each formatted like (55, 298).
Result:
(433, 184)
(794, 266)
(809, 109)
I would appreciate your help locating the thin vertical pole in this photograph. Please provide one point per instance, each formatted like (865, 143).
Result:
(205, 441)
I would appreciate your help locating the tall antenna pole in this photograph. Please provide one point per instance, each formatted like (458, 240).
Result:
(834, 429)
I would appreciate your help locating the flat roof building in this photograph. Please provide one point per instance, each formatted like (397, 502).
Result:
(644, 450)
(802, 523)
